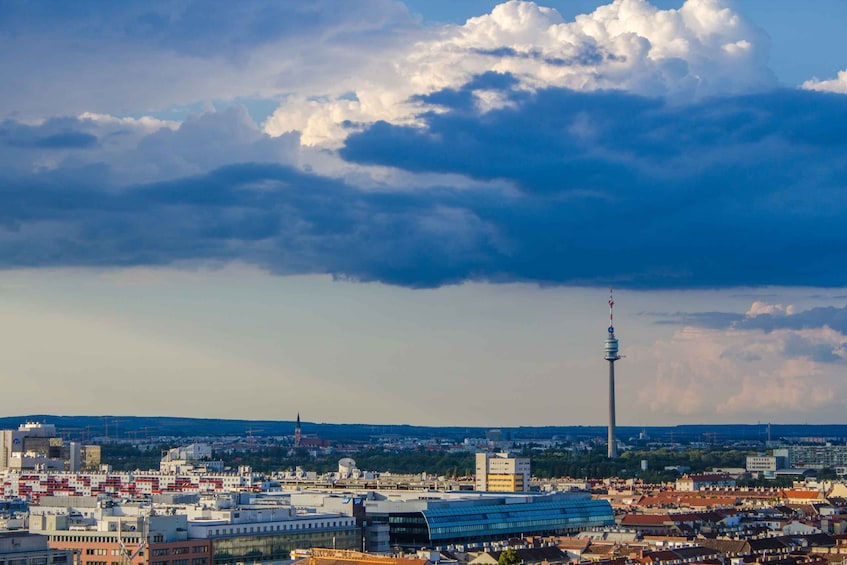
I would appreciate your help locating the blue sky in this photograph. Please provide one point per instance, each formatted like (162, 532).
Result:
(379, 211)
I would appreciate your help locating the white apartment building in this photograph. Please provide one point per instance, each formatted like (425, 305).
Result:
(765, 464)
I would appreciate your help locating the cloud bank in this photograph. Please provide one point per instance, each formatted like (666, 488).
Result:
(773, 362)
(631, 146)
(702, 49)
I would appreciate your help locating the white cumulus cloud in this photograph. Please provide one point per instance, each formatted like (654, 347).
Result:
(837, 85)
(743, 374)
(759, 308)
(702, 49)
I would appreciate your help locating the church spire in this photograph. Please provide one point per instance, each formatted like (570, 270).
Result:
(297, 432)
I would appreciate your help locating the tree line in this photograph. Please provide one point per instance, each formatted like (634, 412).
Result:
(590, 463)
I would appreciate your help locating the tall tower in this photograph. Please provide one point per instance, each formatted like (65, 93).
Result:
(298, 435)
(612, 356)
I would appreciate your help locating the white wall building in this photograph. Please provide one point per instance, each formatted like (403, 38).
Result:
(501, 472)
(16, 454)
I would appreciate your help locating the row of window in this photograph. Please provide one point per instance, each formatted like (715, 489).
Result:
(195, 561)
(281, 527)
(35, 560)
(278, 547)
(97, 539)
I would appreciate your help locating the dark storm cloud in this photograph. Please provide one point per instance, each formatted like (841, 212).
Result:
(825, 316)
(63, 133)
(794, 345)
(798, 346)
(746, 190)
(712, 320)
(269, 215)
(195, 27)
(609, 188)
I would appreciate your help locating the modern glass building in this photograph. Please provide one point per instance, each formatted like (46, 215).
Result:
(277, 546)
(467, 522)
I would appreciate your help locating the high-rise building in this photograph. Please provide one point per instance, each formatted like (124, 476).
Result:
(36, 446)
(501, 472)
(611, 348)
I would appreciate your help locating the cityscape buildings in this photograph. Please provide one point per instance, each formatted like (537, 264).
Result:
(196, 510)
(36, 446)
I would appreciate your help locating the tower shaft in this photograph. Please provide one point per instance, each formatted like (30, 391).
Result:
(613, 444)
(611, 348)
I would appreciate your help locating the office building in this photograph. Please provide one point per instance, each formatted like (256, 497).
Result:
(35, 446)
(119, 535)
(194, 458)
(501, 472)
(184, 529)
(20, 547)
(432, 521)
(264, 534)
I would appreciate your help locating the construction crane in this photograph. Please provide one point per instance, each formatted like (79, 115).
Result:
(127, 554)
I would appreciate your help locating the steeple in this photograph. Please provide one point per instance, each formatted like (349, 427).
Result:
(297, 432)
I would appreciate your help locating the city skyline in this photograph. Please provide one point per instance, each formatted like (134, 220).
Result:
(391, 213)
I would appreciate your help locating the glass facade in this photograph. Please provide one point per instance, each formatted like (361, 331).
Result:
(278, 546)
(477, 523)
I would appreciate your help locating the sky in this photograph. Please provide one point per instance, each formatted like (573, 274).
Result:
(378, 211)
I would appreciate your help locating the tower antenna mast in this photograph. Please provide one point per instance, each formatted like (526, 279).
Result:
(611, 348)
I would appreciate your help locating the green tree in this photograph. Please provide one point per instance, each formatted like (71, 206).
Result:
(508, 557)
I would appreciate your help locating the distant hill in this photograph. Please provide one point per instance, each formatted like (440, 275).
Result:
(147, 426)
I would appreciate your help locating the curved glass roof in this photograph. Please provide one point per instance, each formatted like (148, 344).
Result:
(455, 522)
